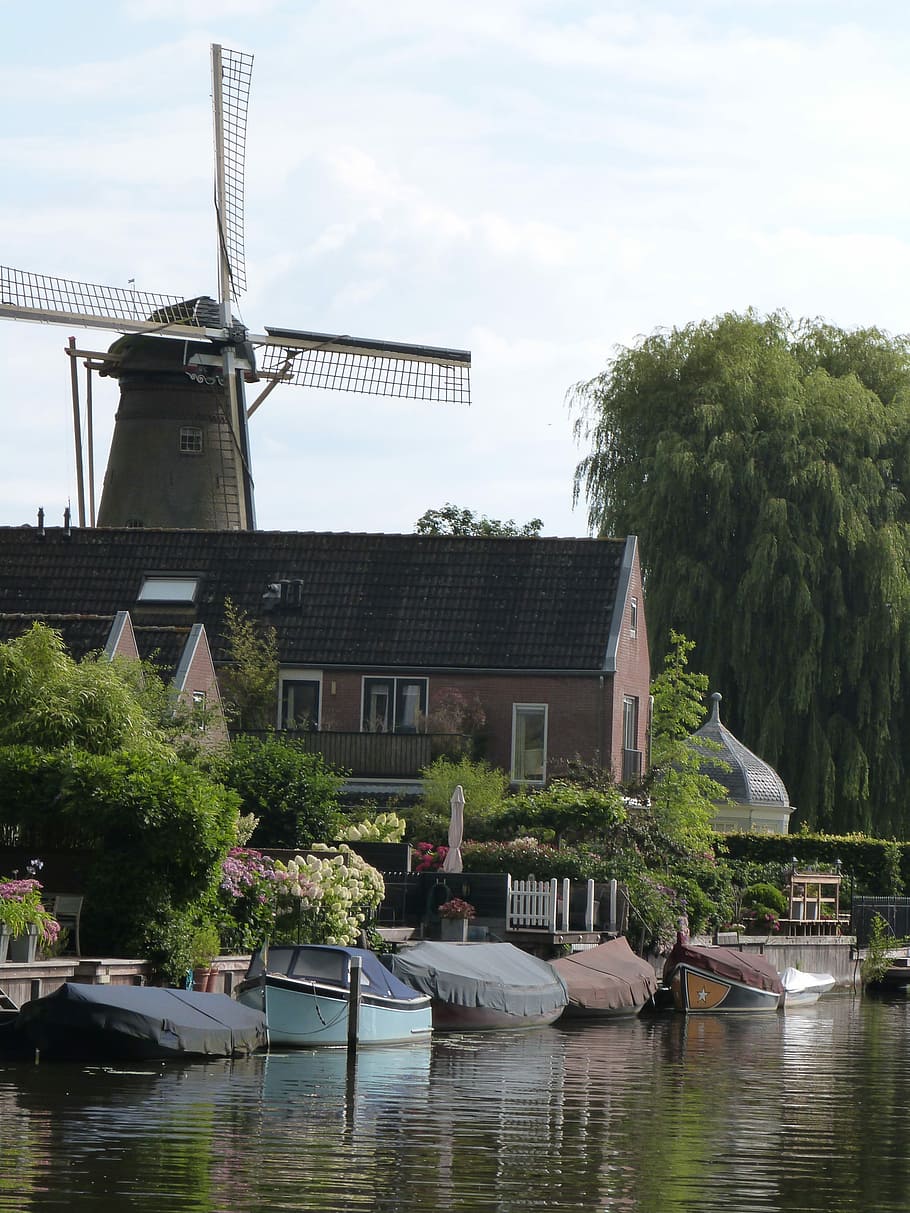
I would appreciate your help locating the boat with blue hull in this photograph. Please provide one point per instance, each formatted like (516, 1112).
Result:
(304, 991)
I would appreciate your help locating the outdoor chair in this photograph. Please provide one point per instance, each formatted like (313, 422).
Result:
(67, 909)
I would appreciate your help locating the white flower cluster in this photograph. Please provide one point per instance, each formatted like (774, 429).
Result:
(384, 827)
(339, 889)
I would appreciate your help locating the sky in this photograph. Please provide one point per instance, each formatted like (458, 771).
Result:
(539, 181)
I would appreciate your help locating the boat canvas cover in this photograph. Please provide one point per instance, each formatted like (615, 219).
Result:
(795, 981)
(177, 1021)
(331, 964)
(609, 977)
(494, 975)
(748, 968)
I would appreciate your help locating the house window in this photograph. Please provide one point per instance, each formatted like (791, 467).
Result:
(168, 589)
(633, 618)
(529, 742)
(190, 440)
(300, 703)
(394, 705)
(631, 754)
(199, 708)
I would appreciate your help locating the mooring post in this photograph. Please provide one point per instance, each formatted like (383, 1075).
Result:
(354, 1003)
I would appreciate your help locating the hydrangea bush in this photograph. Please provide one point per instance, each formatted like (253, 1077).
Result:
(327, 898)
(247, 899)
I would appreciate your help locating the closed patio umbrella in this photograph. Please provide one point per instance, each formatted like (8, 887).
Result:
(452, 861)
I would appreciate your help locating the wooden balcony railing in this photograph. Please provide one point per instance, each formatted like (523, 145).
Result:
(380, 755)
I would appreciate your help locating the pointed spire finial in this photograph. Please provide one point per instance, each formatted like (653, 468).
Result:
(716, 697)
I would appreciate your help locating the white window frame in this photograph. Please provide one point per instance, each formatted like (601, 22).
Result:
(633, 617)
(518, 709)
(288, 673)
(191, 440)
(164, 587)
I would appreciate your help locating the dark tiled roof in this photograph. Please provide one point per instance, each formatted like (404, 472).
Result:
(83, 634)
(365, 600)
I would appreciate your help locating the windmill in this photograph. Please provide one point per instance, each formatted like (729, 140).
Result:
(179, 453)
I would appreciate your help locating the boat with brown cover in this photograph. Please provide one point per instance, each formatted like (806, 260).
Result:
(721, 980)
(606, 981)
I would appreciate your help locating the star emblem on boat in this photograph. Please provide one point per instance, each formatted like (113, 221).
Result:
(703, 995)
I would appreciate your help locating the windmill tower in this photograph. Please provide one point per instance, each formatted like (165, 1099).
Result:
(180, 454)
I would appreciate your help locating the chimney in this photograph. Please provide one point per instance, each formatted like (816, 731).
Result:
(41, 531)
(67, 532)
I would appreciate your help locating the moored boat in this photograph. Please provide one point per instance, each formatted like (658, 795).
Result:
(802, 989)
(80, 1022)
(482, 986)
(606, 981)
(304, 992)
(705, 979)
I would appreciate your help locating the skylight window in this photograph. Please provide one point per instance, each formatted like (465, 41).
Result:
(169, 589)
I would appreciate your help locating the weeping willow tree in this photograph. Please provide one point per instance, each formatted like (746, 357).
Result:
(764, 466)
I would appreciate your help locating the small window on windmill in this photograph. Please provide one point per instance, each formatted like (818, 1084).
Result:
(190, 440)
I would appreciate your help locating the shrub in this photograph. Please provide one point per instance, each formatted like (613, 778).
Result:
(294, 795)
(765, 896)
(484, 790)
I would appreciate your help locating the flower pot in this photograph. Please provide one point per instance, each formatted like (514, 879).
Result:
(202, 978)
(4, 941)
(24, 948)
(454, 930)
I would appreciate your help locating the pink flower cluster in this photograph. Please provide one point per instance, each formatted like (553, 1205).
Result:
(243, 869)
(428, 857)
(456, 908)
(18, 890)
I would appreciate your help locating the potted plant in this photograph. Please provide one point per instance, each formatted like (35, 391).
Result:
(23, 920)
(454, 916)
(205, 947)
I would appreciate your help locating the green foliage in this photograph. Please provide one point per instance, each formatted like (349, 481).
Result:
(484, 789)
(294, 795)
(684, 798)
(763, 466)
(249, 681)
(453, 520)
(158, 829)
(766, 896)
(49, 701)
(873, 866)
(204, 945)
(565, 809)
(877, 960)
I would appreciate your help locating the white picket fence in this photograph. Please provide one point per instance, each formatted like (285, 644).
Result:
(544, 905)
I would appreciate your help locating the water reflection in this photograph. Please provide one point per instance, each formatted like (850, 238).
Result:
(777, 1113)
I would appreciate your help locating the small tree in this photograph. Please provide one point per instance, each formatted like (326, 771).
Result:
(683, 798)
(454, 520)
(250, 680)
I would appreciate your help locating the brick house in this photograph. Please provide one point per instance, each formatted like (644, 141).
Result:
(392, 648)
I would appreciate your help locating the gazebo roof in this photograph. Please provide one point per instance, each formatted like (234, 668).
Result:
(750, 780)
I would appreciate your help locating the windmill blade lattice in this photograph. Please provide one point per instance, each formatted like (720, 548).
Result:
(373, 368)
(231, 104)
(43, 297)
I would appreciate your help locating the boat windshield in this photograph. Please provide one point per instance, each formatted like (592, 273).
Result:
(314, 963)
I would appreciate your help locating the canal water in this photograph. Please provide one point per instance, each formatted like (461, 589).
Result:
(804, 1111)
